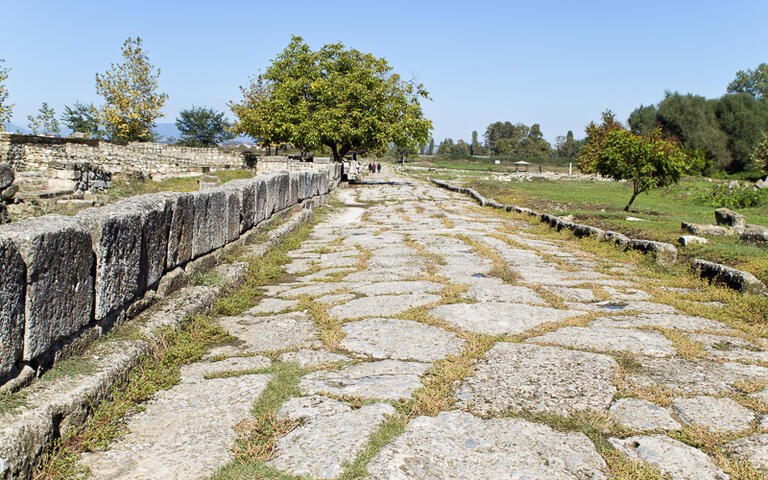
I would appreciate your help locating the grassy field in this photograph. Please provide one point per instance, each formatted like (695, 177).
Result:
(602, 204)
(487, 165)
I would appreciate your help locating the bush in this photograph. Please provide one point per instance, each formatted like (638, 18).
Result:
(724, 195)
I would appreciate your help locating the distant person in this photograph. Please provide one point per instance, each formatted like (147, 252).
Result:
(370, 167)
(374, 168)
(378, 167)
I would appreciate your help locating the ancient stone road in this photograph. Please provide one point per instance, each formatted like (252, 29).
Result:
(405, 278)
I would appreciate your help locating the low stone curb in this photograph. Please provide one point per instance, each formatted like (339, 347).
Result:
(665, 253)
(68, 403)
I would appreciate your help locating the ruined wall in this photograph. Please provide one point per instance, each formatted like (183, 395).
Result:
(65, 280)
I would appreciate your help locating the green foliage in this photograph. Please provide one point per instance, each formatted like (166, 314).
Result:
(431, 149)
(448, 149)
(736, 197)
(649, 162)
(202, 127)
(505, 139)
(753, 82)
(130, 90)
(5, 108)
(567, 147)
(335, 97)
(82, 118)
(743, 119)
(44, 123)
(642, 120)
(759, 155)
(475, 148)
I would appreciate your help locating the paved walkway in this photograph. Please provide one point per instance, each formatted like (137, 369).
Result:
(410, 287)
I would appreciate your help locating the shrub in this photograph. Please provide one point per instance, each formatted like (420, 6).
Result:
(724, 195)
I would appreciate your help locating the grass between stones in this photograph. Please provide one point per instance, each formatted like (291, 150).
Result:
(500, 268)
(330, 327)
(388, 431)
(712, 443)
(421, 250)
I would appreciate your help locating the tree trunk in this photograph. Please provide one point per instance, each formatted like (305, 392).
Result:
(635, 193)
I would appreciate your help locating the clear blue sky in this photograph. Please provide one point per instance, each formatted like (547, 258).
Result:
(558, 63)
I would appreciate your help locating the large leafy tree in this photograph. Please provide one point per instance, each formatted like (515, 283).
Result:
(44, 123)
(5, 108)
(203, 127)
(130, 89)
(743, 119)
(339, 98)
(760, 155)
(82, 118)
(647, 161)
(753, 82)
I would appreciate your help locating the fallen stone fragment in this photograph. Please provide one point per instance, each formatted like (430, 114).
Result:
(384, 380)
(754, 449)
(716, 414)
(729, 218)
(642, 415)
(457, 445)
(686, 240)
(399, 340)
(496, 318)
(384, 305)
(638, 342)
(676, 459)
(331, 435)
(524, 377)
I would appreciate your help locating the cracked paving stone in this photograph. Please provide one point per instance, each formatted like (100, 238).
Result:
(382, 305)
(323, 274)
(232, 364)
(272, 305)
(331, 435)
(339, 298)
(716, 414)
(730, 348)
(457, 445)
(685, 323)
(676, 459)
(642, 415)
(574, 294)
(753, 449)
(690, 377)
(649, 308)
(390, 288)
(399, 340)
(494, 290)
(312, 358)
(638, 342)
(273, 332)
(524, 377)
(497, 318)
(315, 289)
(384, 380)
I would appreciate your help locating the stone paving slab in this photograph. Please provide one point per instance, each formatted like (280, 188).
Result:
(273, 332)
(676, 459)
(390, 288)
(695, 377)
(384, 380)
(642, 415)
(312, 358)
(754, 449)
(383, 305)
(716, 414)
(334, 299)
(315, 289)
(603, 339)
(575, 294)
(494, 290)
(498, 318)
(272, 305)
(399, 340)
(524, 377)
(731, 348)
(457, 445)
(685, 323)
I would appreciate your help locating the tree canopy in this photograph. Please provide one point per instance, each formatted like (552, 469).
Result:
(504, 138)
(44, 123)
(647, 161)
(5, 108)
(753, 82)
(760, 155)
(335, 97)
(82, 118)
(202, 127)
(130, 90)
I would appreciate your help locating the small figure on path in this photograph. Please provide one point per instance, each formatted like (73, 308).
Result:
(378, 167)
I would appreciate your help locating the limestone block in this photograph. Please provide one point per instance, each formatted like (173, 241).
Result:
(247, 189)
(56, 252)
(316, 183)
(271, 195)
(307, 184)
(181, 229)
(11, 305)
(156, 218)
(701, 229)
(296, 189)
(686, 240)
(729, 218)
(283, 190)
(755, 235)
(234, 210)
(739, 280)
(666, 254)
(6, 175)
(260, 211)
(211, 221)
(116, 237)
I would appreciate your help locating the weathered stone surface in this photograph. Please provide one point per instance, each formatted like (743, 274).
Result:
(211, 222)
(234, 210)
(739, 280)
(603, 339)
(384, 380)
(676, 459)
(716, 414)
(390, 288)
(497, 318)
(729, 218)
(262, 200)
(523, 377)
(399, 339)
(641, 415)
(6, 175)
(332, 434)
(457, 445)
(696, 377)
(246, 189)
(685, 323)
(228, 365)
(384, 305)
(181, 230)
(665, 253)
(702, 229)
(156, 217)
(494, 290)
(58, 297)
(754, 449)
(116, 236)
(730, 348)
(274, 332)
(312, 358)
(755, 235)
(573, 293)
(272, 305)
(14, 279)
(686, 240)
(314, 289)
(334, 299)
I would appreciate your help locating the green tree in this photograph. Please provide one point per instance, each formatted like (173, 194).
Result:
(647, 161)
(44, 123)
(642, 120)
(566, 146)
(476, 148)
(82, 118)
(743, 119)
(130, 90)
(431, 149)
(5, 108)
(760, 155)
(753, 82)
(335, 97)
(203, 127)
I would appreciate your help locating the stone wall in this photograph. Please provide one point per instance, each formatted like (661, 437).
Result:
(65, 280)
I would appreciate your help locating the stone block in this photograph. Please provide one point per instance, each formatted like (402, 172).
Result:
(316, 183)
(755, 235)
(271, 205)
(729, 218)
(247, 189)
(744, 282)
(13, 273)
(665, 253)
(283, 190)
(686, 240)
(260, 213)
(6, 175)
(701, 229)
(211, 221)
(234, 210)
(296, 189)
(181, 230)
(56, 252)
(616, 238)
(116, 231)
(156, 218)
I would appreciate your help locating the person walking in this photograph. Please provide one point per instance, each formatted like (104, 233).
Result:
(378, 168)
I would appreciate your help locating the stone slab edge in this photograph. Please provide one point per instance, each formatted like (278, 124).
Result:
(24, 441)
